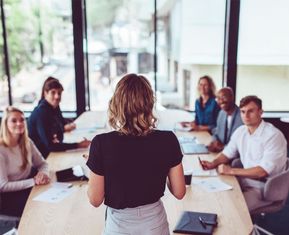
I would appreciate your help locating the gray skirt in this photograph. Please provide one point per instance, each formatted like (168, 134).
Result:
(150, 219)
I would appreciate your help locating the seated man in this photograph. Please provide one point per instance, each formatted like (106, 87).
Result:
(262, 149)
(228, 120)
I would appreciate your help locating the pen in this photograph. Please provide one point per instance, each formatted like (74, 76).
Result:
(207, 222)
(200, 161)
(202, 222)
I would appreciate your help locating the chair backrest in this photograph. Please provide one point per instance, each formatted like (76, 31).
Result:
(277, 187)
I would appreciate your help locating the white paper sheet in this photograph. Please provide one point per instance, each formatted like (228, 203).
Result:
(212, 184)
(200, 172)
(56, 193)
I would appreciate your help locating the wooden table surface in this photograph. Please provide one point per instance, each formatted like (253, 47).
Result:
(75, 216)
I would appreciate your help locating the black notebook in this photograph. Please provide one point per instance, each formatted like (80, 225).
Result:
(196, 223)
(71, 174)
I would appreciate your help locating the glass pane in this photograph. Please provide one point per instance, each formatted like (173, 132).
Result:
(120, 40)
(263, 54)
(40, 42)
(3, 79)
(190, 45)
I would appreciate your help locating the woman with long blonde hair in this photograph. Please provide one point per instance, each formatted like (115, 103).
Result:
(130, 165)
(19, 158)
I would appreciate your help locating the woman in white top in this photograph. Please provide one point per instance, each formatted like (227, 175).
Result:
(19, 157)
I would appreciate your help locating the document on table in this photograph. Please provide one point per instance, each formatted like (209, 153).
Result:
(186, 140)
(201, 172)
(56, 193)
(212, 184)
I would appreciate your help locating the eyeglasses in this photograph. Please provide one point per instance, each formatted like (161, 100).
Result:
(223, 98)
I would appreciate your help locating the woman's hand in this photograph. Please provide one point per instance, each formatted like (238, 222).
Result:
(69, 127)
(84, 144)
(41, 178)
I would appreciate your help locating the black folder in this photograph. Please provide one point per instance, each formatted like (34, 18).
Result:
(196, 223)
(71, 174)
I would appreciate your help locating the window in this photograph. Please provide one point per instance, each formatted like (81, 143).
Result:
(263, 53)
(119, 41)
(40, 44)
(190, 38)
(3, 79)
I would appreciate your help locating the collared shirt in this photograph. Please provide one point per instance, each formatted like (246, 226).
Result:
(207, 115)
(266, 148)
(225, 127)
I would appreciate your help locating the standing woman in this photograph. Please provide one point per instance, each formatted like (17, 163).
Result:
(206, 107)
(46, 124)
(19, 158)
(129, 166)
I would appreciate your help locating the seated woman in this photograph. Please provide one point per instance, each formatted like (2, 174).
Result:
(206, 107)
(129, 166)
(19, 158)
(68, 126)
(46, 124)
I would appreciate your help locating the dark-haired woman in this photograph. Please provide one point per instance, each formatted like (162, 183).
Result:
(46, 124)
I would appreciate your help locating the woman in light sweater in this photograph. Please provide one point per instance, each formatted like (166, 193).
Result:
(19, 158)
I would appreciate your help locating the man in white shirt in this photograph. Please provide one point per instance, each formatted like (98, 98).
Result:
(262, 150)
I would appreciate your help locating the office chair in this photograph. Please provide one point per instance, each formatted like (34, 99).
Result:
(276, 190)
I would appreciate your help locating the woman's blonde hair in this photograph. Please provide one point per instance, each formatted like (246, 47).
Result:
(131, 106)
(5, 136)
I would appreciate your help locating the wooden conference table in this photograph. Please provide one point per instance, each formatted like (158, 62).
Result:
(74, 215)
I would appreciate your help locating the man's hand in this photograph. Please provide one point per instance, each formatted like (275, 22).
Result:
(225, 169)
(215, 146)
(207, 165)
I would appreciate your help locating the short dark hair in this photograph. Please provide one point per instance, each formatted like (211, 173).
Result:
(251, 98)
(49, 84)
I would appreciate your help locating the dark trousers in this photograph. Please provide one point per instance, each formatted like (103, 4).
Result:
(13, 203)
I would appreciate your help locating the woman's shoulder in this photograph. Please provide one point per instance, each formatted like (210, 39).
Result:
(105, 135)
(4, 150)
(2, 144)
(163, 134)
